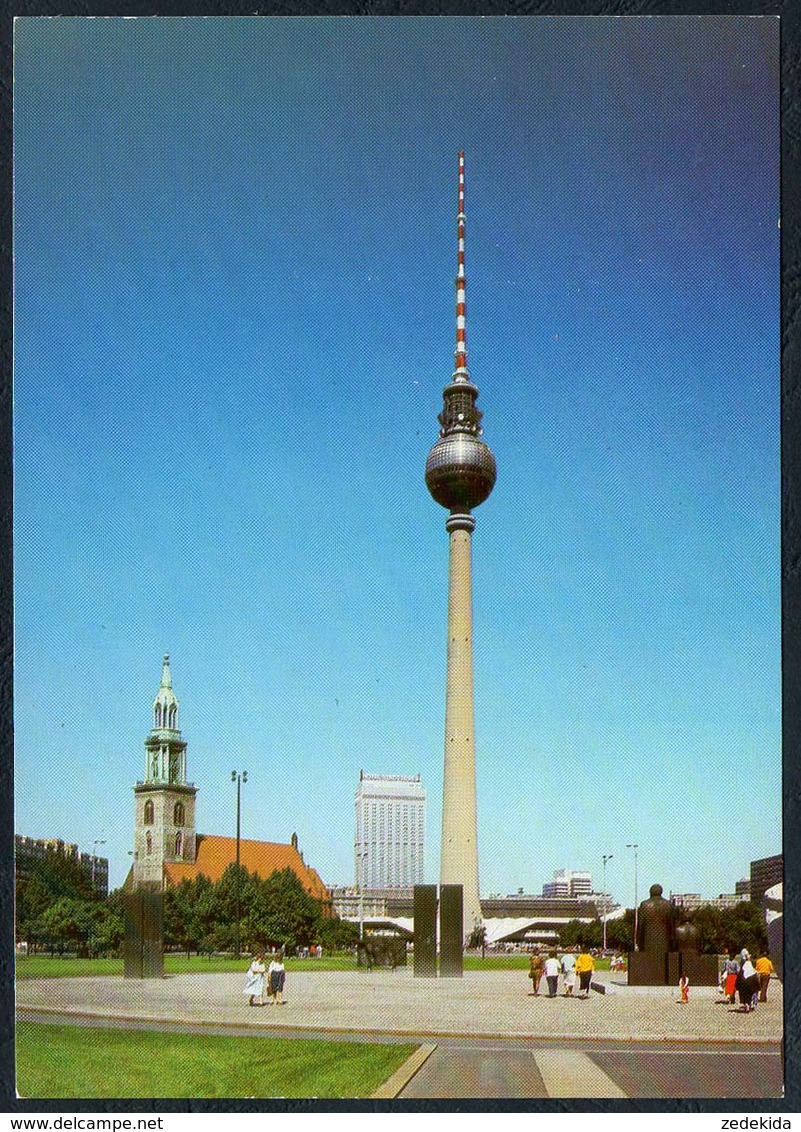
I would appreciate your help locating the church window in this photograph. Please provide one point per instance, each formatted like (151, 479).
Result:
(149, 843)
(172, 716)
(178, 815)
(154, 767)
(148, 818)
(179, 844)
(158, 715)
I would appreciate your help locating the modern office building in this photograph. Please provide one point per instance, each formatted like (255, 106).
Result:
(390, 831)
(691, 901)
(568, 882)
(765, 873)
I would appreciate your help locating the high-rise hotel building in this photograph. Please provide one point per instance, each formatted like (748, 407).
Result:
(390, 831)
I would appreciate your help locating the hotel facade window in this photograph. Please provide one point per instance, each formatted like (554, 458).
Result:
(389, 837)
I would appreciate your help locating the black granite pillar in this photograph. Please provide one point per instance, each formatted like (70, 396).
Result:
(451, 931)
(425, 931)
(144, 935)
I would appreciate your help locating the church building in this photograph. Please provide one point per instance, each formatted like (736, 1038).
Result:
(167, 848)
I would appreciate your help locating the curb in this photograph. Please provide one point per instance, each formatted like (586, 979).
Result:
(402, 1076)
(419, 1035)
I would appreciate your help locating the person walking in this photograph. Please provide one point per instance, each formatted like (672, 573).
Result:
(569, 972)
(748, 983)
(585, 965)
(254, 983)
(552, 973)
(535, 970)
(276, 975)
(729, 974)
(764, 968)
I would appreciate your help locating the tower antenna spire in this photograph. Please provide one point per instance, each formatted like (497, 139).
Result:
(460, 474)
(460, 372)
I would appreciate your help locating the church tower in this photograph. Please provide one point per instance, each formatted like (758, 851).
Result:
(164, 804)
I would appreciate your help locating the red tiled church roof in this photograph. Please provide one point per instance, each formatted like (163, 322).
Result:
(214, 855)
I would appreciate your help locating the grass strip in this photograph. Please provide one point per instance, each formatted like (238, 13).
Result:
(47, 967)
(55, 1062)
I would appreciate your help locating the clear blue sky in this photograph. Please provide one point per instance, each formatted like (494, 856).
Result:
(235, 252)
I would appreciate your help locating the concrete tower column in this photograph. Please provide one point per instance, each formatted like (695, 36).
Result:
(460, 474)
(459, 862)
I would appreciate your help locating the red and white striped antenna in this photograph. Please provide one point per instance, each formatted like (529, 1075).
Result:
(460, 373)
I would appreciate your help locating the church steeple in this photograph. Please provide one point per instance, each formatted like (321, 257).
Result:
(165, 705)
(166, 751)
(164, 820)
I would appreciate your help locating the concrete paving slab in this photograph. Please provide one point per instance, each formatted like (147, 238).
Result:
(570, 1073)
(482, 1003)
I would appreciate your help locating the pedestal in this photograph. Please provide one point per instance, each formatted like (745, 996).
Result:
(451, 931)
(665, 968)
(701, 970)
(425, 931)
(144, 935)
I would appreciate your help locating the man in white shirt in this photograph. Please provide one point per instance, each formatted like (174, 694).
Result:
(552, 973)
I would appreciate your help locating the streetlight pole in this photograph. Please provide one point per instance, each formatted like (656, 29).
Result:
(606, 857)
(633, 845)
(238, 779)
(362, 855)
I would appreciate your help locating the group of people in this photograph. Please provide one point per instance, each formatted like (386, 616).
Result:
(260, 977)
(746, 980)
(569, 966)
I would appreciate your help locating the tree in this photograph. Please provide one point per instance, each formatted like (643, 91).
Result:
(337, 935)
(575, 931)
(66, 921)
(722, 930)
(620, 932)
(107, 929)
(284, 914)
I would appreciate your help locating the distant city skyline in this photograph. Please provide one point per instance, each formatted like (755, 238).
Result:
(234, 261)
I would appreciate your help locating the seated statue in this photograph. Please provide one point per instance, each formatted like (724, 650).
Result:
(656, 923)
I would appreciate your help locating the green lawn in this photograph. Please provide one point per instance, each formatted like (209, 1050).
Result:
(71, 1061)
(43, 966)
(46, 966)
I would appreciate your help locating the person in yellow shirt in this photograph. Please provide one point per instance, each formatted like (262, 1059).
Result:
(764, 969)
(585, 965)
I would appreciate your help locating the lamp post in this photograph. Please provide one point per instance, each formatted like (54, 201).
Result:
(361, 856)
(634, 845)
(606, 857)
(94, 848)
(238, 779)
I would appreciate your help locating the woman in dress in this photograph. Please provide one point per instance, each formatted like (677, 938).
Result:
(535, 971)
(748, 985)
(254, 983)
(731, 969)
(276, 974)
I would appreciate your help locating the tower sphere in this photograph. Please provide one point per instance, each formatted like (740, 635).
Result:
(460, 471)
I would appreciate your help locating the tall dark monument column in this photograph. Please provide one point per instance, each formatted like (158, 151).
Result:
(460, 474)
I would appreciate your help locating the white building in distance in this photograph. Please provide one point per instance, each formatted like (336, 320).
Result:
(568, 882)
(390, 831)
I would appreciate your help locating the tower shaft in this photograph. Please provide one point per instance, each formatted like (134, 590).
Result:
(459, 858)
(460, 474)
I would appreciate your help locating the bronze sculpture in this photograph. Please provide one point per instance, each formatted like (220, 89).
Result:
(656, 923)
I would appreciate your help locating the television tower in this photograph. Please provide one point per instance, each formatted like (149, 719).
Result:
(460, 474)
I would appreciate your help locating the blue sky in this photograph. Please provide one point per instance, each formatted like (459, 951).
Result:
(235, 245)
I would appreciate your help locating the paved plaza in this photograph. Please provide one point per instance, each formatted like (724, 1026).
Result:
(483, 1035)
(484, 1004)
